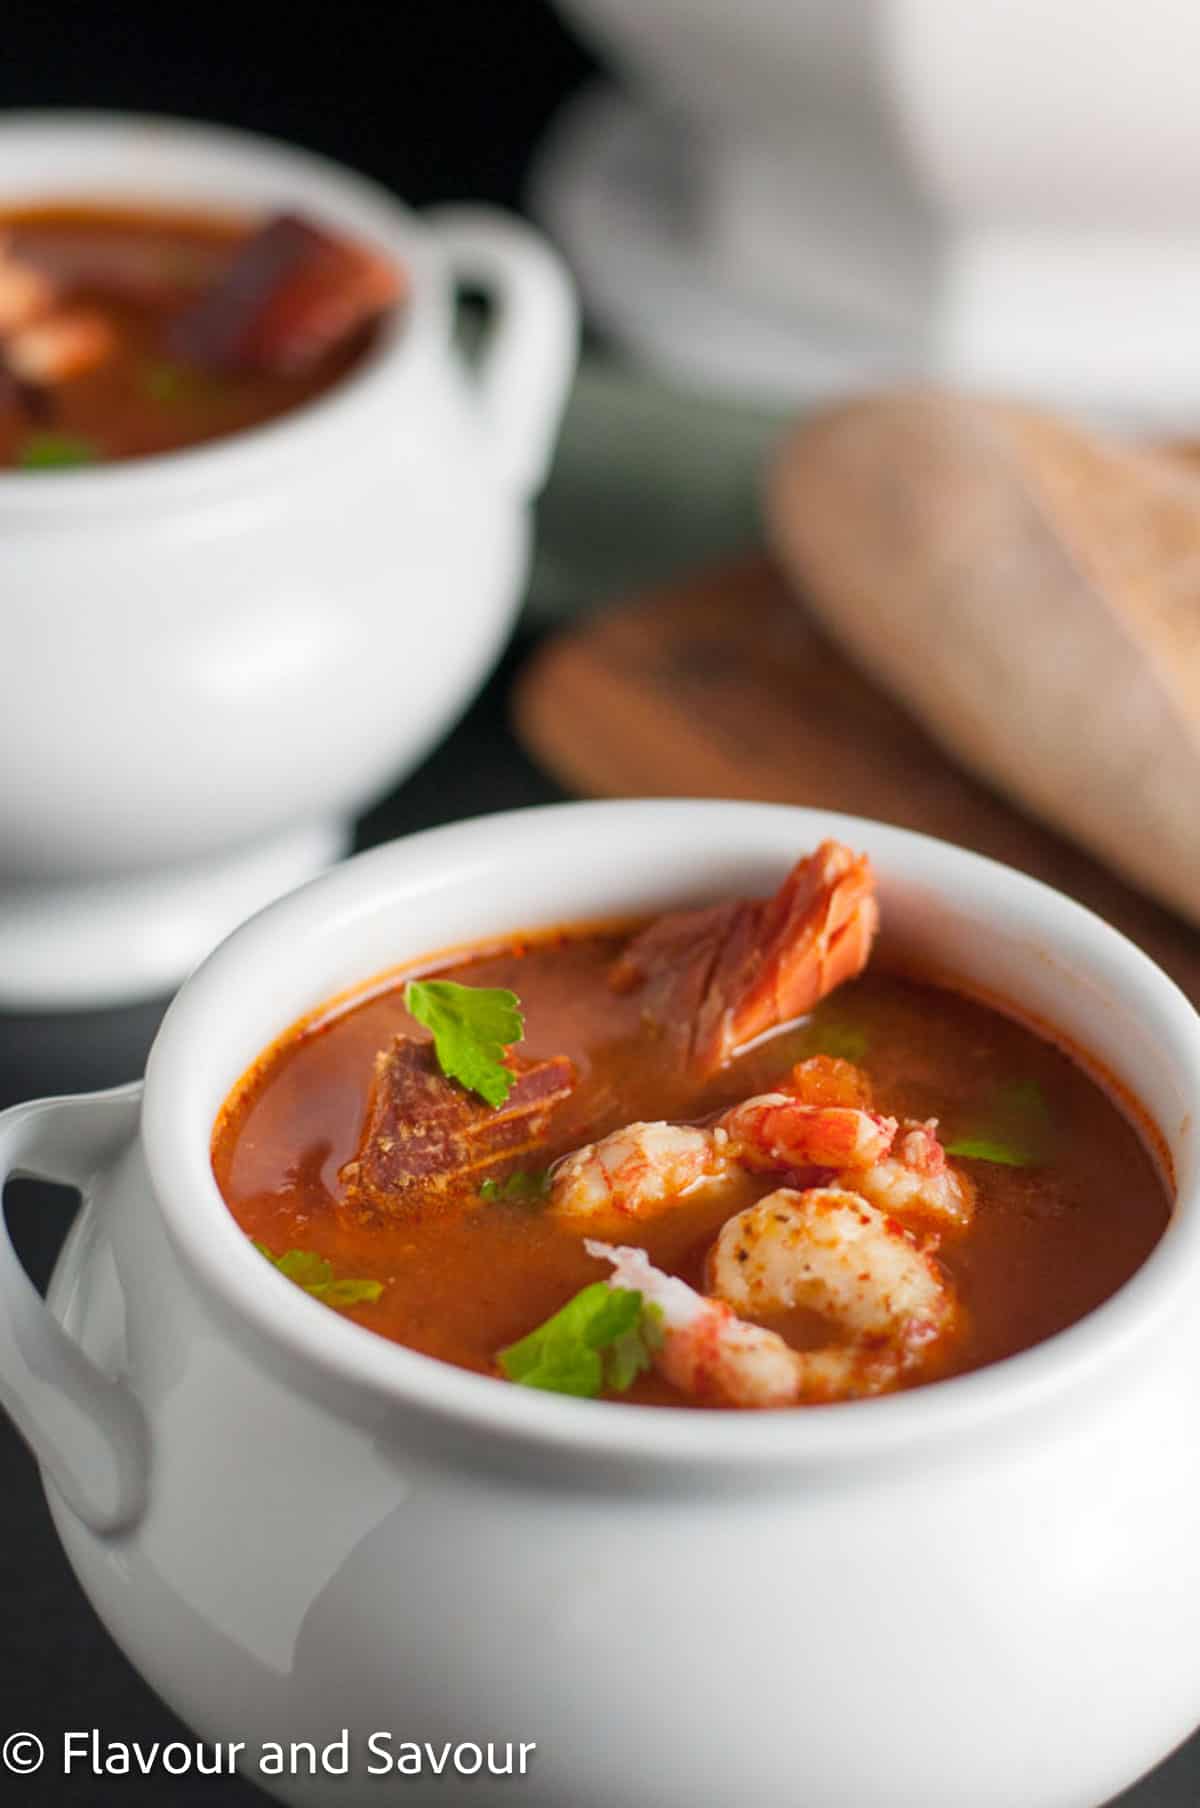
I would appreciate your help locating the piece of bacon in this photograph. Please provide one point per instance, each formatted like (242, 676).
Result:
(716, 978)
(291, 295)
(425, 1134)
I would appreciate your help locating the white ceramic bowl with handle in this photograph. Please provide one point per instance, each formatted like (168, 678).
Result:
(985, 1590)
(217, 657)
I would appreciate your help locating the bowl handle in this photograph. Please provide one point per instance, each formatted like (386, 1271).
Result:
(527, 361)
(87, 1432)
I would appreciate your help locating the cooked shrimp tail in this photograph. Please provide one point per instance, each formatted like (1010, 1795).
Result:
(706, 1351)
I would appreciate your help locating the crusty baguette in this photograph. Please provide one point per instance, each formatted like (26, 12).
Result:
(1032, 592)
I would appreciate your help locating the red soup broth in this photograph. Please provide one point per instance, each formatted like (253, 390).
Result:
(463, 1275)
(166, 339)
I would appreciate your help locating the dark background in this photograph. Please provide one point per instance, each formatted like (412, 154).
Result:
(437, 99)
(440, 99)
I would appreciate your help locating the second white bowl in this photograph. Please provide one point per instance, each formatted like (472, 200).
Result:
(218, 657)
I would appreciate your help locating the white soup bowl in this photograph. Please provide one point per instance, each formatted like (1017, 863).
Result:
(986, 1590)
(218, 657)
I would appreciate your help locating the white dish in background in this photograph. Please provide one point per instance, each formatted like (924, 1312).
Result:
(802, 194)
(613, 184)
(218, 657)
(985, 1590)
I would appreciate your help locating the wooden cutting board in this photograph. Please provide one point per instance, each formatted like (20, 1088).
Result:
(720, 686)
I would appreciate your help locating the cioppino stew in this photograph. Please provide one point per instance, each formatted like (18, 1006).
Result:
(127, 332)
(709, 1160)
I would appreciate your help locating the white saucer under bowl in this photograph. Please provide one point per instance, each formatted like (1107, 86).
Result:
(613, 184)
(120, 940)
(791, 253)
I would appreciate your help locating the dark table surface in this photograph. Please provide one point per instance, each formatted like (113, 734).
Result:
(58, 1667)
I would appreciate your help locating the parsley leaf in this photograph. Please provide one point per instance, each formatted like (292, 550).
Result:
(472, 1026)
(1018, 1131)
(633, 1351)
(982, 1148)
(605, 1336)
(523, 1184)
(56, 451)
(162, 381)
(315, 1275)
(350, 1293)
(845, 1041)
(822, 1035)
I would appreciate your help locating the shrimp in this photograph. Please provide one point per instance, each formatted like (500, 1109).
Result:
(824, 1249)
(639, 1171)
(646, 1169)
(714, 979)
(706, 1349)
(777, 1130)
(830, 1250)
(915, 1177)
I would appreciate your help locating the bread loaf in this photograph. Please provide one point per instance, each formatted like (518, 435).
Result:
(1031, 592)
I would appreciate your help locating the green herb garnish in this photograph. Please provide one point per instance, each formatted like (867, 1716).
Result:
(845, 1041)
(472, 1026)
(160, 380)
(823, 1035)
(56, 452)
(604, 1337)
(981, 1148)
(523, 1185)
(315, 1275)
(163, 382)
(1018, 1130)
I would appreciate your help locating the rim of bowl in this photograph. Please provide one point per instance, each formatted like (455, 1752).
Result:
(340, 195)
(221, 1255)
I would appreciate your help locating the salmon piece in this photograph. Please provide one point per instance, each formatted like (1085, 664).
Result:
(291, 294)
(714, 979)
(425, 1134)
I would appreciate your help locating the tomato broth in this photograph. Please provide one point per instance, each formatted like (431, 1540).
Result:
(1067, 1199)
(126, 332)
